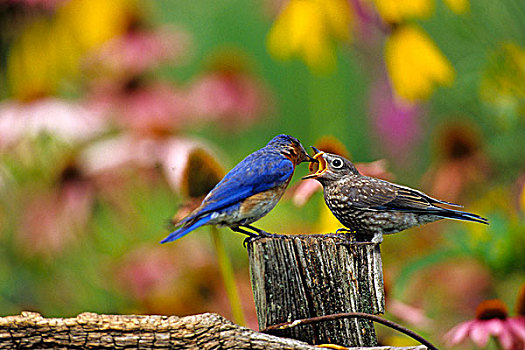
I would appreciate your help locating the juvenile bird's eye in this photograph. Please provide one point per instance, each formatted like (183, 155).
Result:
(337, 163)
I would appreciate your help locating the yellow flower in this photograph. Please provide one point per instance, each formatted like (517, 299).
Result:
(458, 6)
(31, 66)
(306, 28)
(50, 49)
(92, 22)
(415, 64)
(394, 11)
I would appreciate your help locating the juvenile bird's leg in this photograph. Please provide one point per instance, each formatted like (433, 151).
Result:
(346, 232)
(378, 238)
(343, 230)
(261, 232)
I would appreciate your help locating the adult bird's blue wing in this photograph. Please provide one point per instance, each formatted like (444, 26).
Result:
(256, 173)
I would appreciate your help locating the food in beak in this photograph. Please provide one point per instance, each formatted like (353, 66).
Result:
(311, 159)
(318, 167)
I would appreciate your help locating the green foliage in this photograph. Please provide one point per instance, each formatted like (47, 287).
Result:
(500, 248)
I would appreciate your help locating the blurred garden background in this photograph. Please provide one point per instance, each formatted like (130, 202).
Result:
(117, 117)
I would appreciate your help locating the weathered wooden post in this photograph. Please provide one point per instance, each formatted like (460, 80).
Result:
(304, 276)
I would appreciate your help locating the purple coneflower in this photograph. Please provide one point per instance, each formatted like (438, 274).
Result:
(491, 320)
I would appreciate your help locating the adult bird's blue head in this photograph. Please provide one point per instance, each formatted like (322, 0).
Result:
(291, 148)
(249, 191)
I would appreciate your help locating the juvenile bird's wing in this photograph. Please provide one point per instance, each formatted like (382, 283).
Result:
(373, 194)
(258, 172)
(379, 195)
(410, 197)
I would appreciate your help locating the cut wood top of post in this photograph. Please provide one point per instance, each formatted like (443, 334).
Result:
(337, 238)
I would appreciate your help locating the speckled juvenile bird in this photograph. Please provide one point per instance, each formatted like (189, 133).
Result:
(249, 191)
(371, 206)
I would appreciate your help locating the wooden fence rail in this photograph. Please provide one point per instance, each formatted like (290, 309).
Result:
(92, 331)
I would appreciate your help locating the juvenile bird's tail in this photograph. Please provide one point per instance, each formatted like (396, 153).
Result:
(462, 215)
(184, 230)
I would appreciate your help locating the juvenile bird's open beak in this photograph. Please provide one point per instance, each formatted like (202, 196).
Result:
(321, 165)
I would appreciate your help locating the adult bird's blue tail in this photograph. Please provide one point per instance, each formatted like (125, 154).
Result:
(184, 230)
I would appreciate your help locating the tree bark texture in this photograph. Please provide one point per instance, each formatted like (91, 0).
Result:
(92, 331)
(304, 276)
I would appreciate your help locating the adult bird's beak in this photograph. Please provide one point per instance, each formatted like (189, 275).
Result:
(311, 159)
(308, 157)
(320, 161)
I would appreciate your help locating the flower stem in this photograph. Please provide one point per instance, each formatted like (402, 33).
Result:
(228, 277)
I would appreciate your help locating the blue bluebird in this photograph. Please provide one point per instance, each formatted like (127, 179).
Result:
(249, 191)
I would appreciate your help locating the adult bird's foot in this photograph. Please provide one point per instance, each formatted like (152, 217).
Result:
(247, 240)
(262, 233)
(248, 233)
(272, 235)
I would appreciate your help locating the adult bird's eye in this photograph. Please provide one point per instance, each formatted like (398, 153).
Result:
(337, 163)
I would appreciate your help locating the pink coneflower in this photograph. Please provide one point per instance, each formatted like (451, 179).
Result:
(120, 89)
(53, 219)
(235, 98)
(138, 51)
(192, 170)
(157, 107)
(43, 4)
(145, 269)
(119, 152)
(141, 106)
(491, 320)
(181, 280)
(461, 161)
(69, 121)
(408, 313)
(191, 167)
